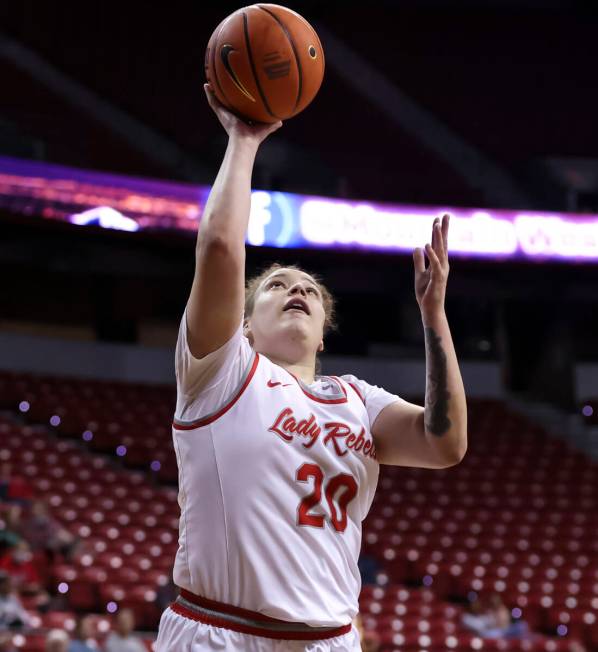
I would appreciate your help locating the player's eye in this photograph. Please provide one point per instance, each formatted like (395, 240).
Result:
(313, 291)
(274, 283)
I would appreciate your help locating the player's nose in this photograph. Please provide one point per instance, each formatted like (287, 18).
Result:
(297, 287)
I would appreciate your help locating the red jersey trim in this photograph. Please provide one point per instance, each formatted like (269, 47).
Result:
(225, 408)
(358, 392)
(257, 631)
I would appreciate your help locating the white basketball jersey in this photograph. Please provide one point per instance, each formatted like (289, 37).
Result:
(274, 483)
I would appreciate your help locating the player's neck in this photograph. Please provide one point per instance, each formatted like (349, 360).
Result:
(304, 372)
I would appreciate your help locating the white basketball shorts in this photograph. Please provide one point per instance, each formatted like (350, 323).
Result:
(178, 633)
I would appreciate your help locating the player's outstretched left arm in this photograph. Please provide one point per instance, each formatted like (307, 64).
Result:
(433, 436)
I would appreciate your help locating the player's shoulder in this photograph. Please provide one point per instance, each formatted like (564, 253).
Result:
(366, 390)
(350, 378)
(360, 386)
(354, 380)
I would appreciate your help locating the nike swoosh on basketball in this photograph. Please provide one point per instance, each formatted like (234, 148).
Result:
(224, 55)
(275, 383)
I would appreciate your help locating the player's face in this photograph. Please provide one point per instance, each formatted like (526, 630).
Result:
(288, 315)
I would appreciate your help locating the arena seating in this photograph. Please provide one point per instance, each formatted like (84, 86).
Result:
(35, 642)
(519, 516)
(179, 111)
(127, 420)
(127, 528)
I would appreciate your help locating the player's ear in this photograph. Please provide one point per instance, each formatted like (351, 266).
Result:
(321, 346)
(247, 330)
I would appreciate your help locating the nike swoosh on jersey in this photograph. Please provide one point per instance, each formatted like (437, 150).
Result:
(224, 55)
(275, 383)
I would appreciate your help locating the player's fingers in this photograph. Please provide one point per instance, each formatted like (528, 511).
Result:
(437, 244)
(210, 95)
(214, 102)
(274, 127)
(433, 240)
(433, 258)
(445, 229)
(418, 260)
(208, 90)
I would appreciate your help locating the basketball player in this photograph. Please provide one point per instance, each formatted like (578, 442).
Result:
(278, 466)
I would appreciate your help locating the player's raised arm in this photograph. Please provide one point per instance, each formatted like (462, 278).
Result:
(215, 304)
(434, 436)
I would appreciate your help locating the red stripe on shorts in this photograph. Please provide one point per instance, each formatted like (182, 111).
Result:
(221, 620)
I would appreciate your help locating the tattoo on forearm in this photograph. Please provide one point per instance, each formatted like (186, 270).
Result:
(437, 395)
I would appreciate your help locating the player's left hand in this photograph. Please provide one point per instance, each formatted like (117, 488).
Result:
(430, 282)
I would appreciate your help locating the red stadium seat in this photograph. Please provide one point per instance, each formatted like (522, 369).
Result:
(522, 526)
(59, 620)
(30, 642)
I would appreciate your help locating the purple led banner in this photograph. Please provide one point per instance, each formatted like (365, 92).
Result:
(475, 232)
(287, 220)
(107, 200)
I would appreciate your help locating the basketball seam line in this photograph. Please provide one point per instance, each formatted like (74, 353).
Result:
(252, 64)
(288, 35)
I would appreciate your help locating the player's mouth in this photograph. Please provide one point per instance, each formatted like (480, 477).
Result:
(296, 304)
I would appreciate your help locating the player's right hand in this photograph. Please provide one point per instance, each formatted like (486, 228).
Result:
(234, 126)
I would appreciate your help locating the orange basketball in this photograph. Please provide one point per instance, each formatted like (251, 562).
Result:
(265, 63)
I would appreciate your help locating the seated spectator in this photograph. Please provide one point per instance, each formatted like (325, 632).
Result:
(121, 638)
(493, 620)
(370, 641)
(14, 488)
(369, 568)
(503, 624)
(10, 523)
(166, 594)
(83, 639)
(57, 640)
(12, 613)
(475, 618)
(45, 533)
(18, 563)
(6, 644)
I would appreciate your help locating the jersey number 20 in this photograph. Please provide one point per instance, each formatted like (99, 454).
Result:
(344, 480)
